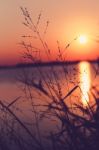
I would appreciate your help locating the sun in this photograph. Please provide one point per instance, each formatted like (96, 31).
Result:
(83, 39)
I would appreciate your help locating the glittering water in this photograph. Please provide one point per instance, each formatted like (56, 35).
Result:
(85, 82)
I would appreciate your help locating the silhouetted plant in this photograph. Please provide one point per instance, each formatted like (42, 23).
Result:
(77, 127)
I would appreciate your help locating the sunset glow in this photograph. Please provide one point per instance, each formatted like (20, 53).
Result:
(83, 39)
(70, 19)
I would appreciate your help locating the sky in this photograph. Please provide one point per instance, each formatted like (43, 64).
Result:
(67, 19)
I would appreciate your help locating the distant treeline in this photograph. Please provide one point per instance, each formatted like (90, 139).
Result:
(54, 63)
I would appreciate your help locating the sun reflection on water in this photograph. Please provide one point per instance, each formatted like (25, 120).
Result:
(85, 82)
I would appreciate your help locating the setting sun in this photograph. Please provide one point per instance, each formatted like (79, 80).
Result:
(83, 39)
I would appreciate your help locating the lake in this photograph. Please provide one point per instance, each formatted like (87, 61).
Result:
(82, 73)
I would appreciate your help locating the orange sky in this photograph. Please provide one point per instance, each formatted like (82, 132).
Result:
(68, 19)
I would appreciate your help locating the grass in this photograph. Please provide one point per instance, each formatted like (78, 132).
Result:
(73, 126)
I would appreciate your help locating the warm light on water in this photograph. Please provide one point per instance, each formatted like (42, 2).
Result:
(85, 82)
